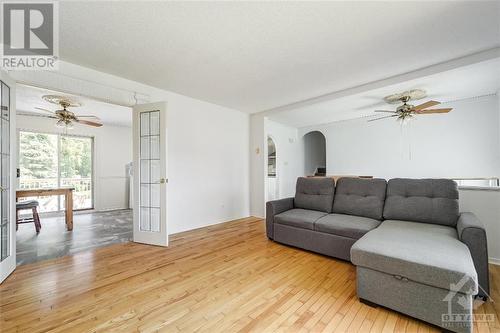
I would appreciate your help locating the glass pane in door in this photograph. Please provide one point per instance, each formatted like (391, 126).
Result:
(38, 162)
(76, 170)
(5, 172)
(150, 171)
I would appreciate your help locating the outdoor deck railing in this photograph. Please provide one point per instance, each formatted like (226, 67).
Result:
(82, 196)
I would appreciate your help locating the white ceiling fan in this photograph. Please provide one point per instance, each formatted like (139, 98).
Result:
(407, 111)
(66, 118)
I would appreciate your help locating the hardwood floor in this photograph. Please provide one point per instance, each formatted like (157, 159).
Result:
(222, 278)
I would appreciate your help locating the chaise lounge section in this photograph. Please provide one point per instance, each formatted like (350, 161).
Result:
(413, 251)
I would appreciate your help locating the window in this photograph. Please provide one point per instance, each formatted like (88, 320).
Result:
(271, 158)
(478, 182)
(56, 160)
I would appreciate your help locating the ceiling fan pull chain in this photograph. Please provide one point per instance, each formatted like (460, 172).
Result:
(402, 139)
(409, 140)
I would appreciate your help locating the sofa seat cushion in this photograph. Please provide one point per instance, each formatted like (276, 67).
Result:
(425, 253)
(345, 225)
(300, 218)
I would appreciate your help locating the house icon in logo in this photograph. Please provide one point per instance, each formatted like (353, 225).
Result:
(464, 304)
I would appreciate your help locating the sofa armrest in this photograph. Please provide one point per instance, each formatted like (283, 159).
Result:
(472, 232)
(274, 208)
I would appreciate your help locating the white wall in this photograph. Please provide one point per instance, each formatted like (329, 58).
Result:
(208, 162)
(461, 143)
(272, 188)
(258, 165)
(314, 152)
(112, 150)
(486, 205)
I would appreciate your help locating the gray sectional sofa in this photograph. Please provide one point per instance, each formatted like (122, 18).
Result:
(413, 251)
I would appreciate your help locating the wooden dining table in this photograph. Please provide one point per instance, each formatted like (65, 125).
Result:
(43, 192)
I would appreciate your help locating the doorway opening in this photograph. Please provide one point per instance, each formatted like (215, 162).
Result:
(272, 172)
(314, 154)
(79, 166)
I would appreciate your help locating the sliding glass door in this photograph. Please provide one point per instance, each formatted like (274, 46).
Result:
(38, 164)
(57, 160)
(75, 170)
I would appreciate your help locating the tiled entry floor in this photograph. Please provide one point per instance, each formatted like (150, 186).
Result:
(90, 231)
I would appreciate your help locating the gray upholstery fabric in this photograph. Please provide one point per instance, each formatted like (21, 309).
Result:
(418, 300)
(472, 233)
(327, 244)
(274, 208)
(360, 197)
(422, 200)
(315, 193)
(425, 253)
(346, 225)
(300, 218)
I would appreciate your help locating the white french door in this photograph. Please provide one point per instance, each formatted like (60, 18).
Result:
(7, 176)
(150, 173)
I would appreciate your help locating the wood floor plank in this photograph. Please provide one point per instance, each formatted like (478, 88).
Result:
(223, 278)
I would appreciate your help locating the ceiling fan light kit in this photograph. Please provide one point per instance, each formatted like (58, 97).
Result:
(405, 111)
(63, 124)
(66, 118)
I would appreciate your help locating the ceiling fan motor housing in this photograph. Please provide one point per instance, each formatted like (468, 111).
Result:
(404, 108)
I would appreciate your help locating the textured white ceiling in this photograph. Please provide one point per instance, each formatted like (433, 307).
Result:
(479, 79)
(253, 56)
(28, 97)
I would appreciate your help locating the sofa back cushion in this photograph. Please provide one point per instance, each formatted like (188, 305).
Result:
(422, 200)
(315, 193)
(360, 197)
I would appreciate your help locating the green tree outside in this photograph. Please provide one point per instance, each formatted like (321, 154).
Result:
(38, 155)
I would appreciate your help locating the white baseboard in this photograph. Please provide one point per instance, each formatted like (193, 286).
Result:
(109, 209)
(494, 261)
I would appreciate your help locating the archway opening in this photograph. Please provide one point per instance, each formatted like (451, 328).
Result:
(314, 154)
(272, 171)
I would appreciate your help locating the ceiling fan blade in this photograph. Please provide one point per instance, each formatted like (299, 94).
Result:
(426, 105)
(33, 114)
(387, 111)
(394, 115)
(42, 109)
(429, 111)
(90, 123)
(88, 116)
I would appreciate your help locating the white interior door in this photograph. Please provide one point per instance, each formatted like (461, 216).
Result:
(150, 173)
(7, 176)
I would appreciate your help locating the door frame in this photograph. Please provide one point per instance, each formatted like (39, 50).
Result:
(149, 237)
(9, 264)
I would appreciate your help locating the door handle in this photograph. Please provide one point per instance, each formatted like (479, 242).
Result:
(163, 180)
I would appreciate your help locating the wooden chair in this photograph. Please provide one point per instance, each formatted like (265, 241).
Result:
(25, 205)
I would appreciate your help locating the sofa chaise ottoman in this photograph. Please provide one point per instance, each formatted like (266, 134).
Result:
(415, 262)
